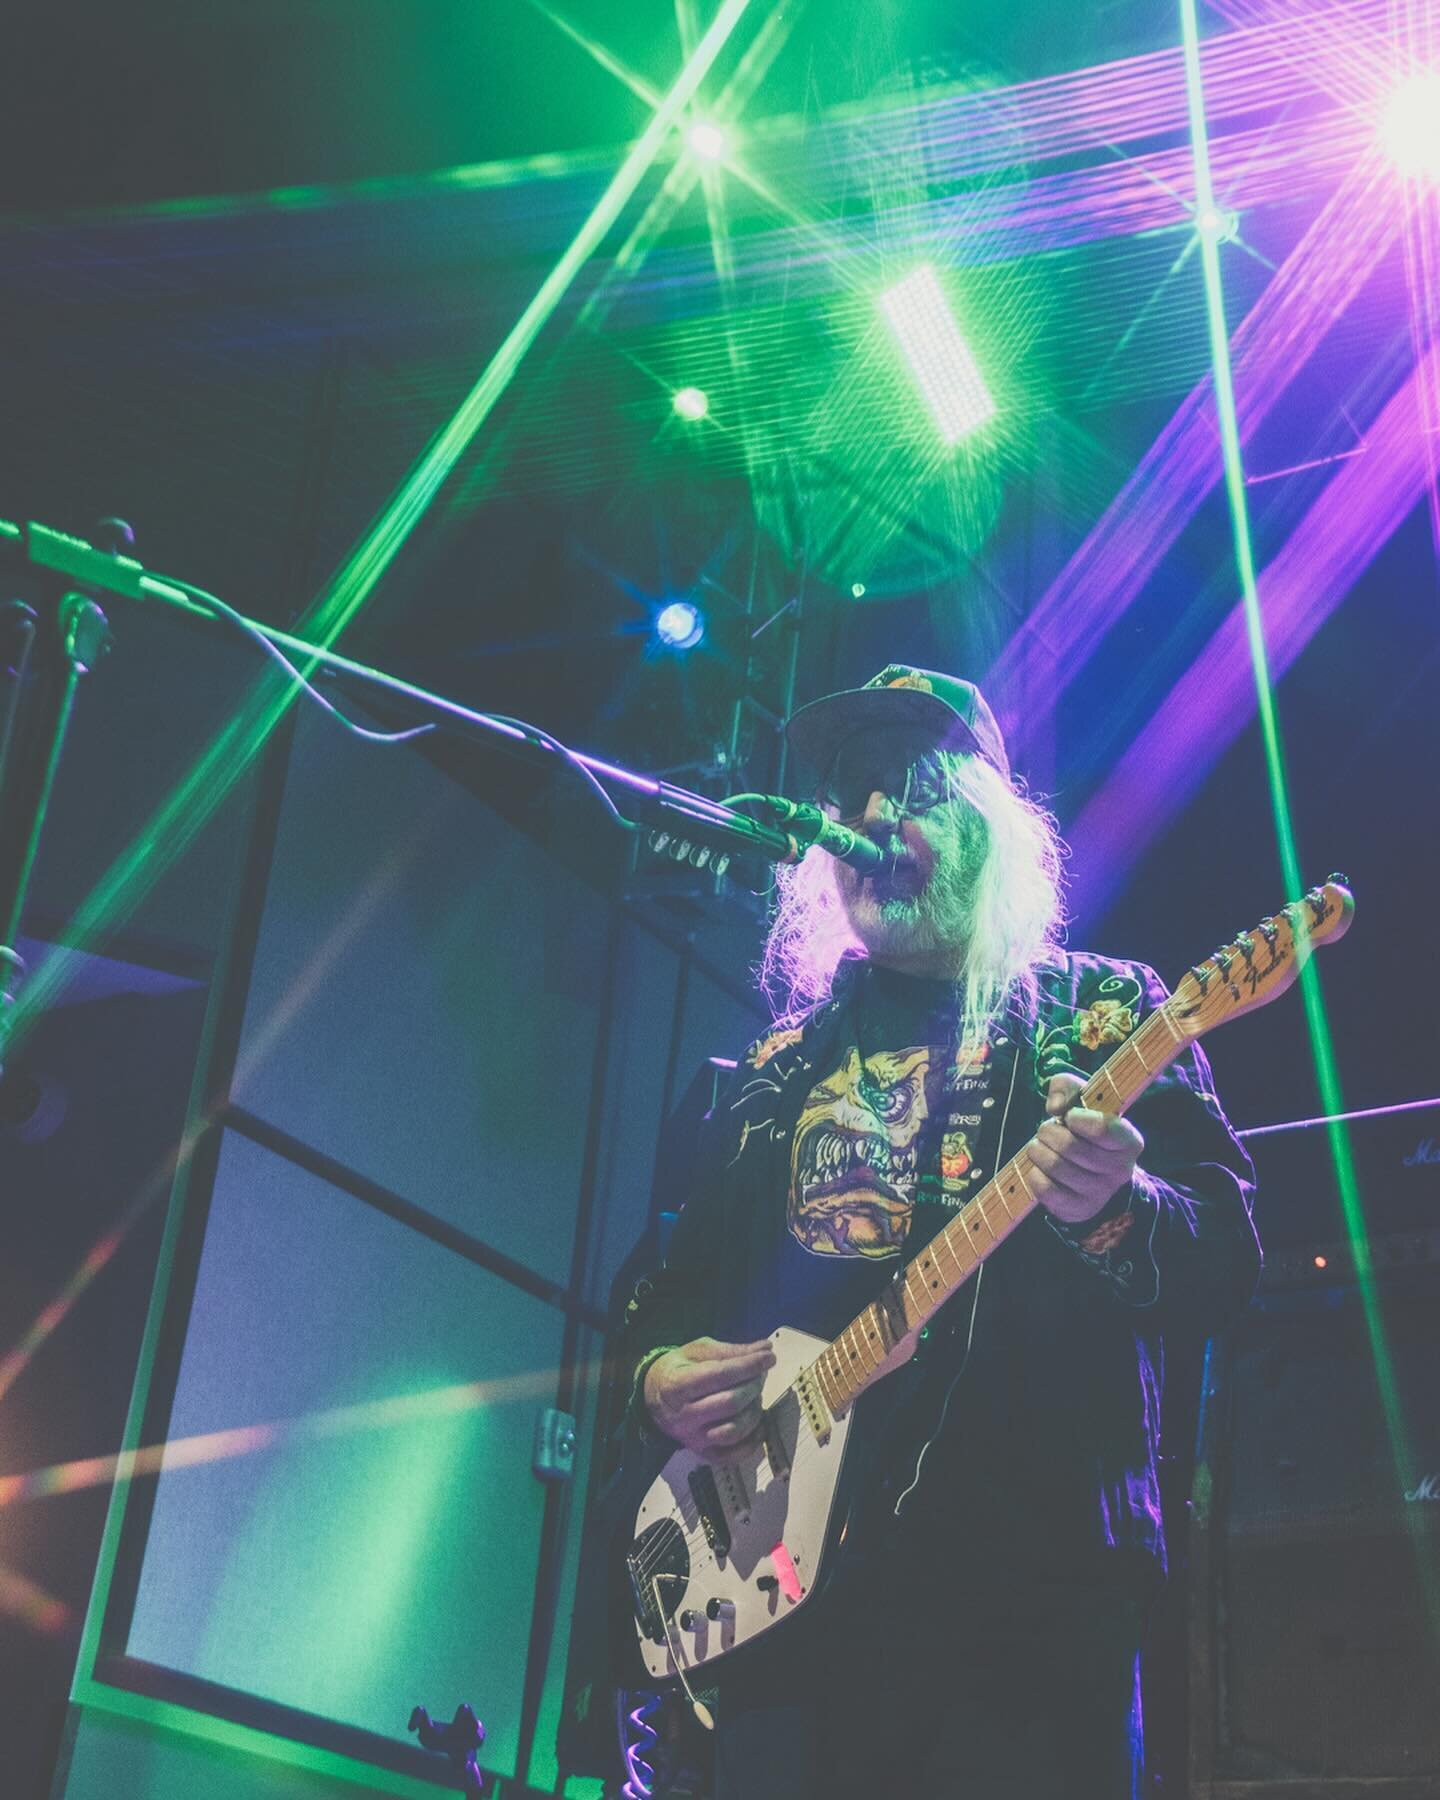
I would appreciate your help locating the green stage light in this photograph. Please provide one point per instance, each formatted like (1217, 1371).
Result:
(941, 361)
(706, 141)
(691, 403)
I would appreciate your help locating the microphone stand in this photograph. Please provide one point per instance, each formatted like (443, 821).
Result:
(50, 636)
(59, 635)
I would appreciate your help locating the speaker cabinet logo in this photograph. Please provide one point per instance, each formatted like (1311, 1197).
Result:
(1429, 1489)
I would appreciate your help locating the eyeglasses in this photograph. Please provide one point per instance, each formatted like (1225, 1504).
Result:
(902, 766)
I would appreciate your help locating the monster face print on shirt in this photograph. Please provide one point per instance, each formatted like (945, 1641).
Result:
(870, 1139)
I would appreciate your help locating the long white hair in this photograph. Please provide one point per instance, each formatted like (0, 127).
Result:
(998, 887)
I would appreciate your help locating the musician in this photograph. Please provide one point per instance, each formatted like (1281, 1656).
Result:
(983, 1633)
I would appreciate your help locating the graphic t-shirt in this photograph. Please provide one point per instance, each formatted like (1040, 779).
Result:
(899, 1133)
(898, 1121)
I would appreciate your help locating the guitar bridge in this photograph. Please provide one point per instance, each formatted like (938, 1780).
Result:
(658, 1564)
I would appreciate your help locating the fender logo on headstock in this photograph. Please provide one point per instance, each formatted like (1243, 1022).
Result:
(1269, 957)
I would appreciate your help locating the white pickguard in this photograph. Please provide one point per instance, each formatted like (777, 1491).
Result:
(762, 1509)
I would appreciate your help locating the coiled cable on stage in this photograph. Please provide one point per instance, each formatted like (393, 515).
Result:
(637, 1734)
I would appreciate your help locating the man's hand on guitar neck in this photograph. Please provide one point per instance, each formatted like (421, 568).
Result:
(1084, 1158)
(706, 1395)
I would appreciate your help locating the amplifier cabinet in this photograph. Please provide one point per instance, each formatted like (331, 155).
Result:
(1315, 1550)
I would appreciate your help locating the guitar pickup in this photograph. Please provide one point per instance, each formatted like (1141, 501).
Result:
(813, 1406)
(706, 1495)
(777, 1451)
(734, 1497)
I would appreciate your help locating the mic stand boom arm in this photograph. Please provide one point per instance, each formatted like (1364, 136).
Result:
(72, 569)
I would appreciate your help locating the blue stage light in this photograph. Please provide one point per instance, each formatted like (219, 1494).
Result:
(679, 625)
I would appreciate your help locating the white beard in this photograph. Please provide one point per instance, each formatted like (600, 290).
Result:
(897, 920)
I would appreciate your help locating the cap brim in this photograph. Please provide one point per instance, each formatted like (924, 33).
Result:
(817, 731)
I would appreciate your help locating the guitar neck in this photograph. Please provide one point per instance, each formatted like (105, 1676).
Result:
(855, 1360)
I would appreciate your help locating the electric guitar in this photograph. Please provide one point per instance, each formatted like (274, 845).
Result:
(722, 1553)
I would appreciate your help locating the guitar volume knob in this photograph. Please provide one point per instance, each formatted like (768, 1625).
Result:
(719, 1609)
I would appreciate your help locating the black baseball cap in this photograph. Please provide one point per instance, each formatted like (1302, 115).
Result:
(954, 710)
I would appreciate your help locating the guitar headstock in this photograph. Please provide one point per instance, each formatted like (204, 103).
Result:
(1261, 963)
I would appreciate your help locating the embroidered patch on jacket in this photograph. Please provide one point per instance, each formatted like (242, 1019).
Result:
(1105, 1237)
(1109, 1019)
(956, 1159)
(1106, 1022)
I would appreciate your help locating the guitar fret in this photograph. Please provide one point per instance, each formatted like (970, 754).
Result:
(943, 1237)
(929, 1270)
(977, 1207)
(953, 1239)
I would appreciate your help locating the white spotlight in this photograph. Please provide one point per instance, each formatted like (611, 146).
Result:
(706, 141)
(691, 403)
(1410, 126)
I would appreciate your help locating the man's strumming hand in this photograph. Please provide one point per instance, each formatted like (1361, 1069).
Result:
(1083, 1157)
(706, 1395)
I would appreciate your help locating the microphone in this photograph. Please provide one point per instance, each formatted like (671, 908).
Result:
(807, 824)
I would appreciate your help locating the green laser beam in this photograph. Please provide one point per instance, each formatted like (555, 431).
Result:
(194, 801)
(1317, 1022)
(550, 165)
